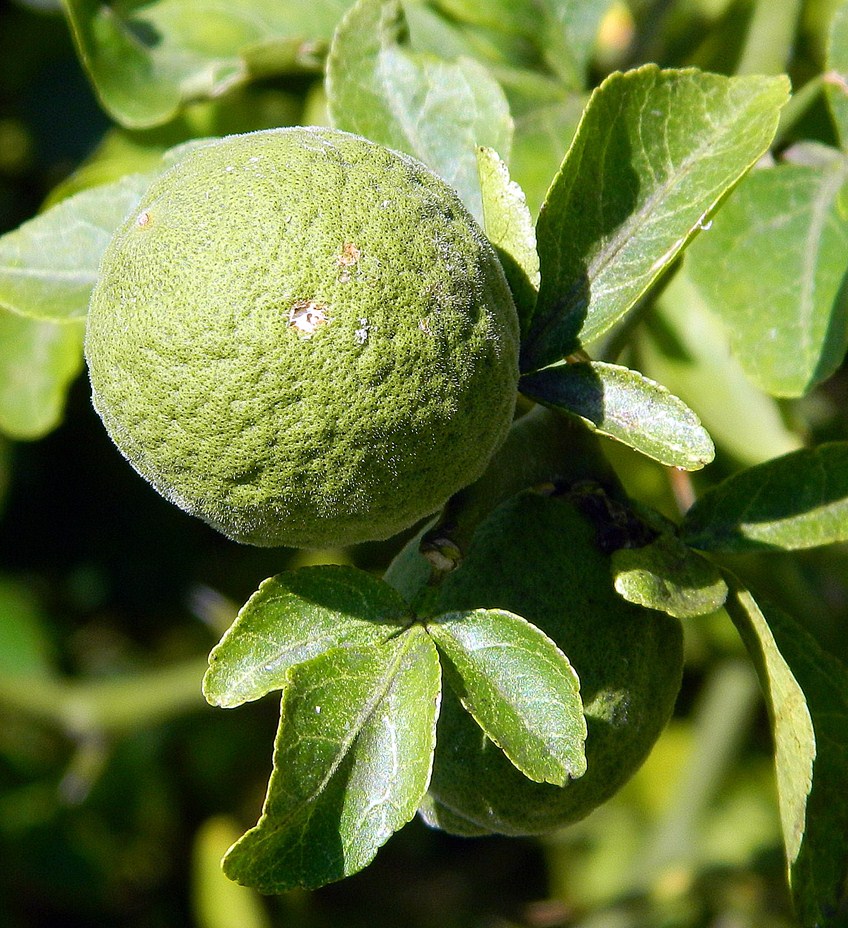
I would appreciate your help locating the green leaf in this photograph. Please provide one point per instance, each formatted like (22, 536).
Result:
(519, 687)
(543, 132)
(509, 227)
(836, 76)
(352, 763)
(653, 156)
(796, 501)
(685, 347)
(146, 58)
(806, 693)
(627, 406)
(438, 111)
(294, 617)
(38, 362)
(569, 30)
(773, 268)
(668, 576)
(49, 265)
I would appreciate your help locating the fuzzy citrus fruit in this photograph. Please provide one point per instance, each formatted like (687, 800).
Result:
(537, 557)
(303, 338)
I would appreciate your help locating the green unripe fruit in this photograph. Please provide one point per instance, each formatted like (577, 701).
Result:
(303, 338)
(537, 557)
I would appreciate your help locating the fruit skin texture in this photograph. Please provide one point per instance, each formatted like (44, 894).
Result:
(303, 338)
(536, 556)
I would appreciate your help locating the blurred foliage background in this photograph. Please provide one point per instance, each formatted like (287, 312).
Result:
(120, 788)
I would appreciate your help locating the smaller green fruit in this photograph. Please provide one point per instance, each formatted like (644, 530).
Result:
(303, 338)
(536, 556)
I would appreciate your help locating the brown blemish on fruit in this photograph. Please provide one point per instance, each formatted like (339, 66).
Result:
(307, 317)
(347, 260)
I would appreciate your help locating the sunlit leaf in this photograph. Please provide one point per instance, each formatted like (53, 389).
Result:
(148, 57)
(438, 111)
(684, 346)
(627, 406)
(773, 268)
(38, 362)
(294, 617)
(806, 693)
(519, 687)
(509, 227)
(796, 501)
(49, 265)
(352, 762)
(669, 576)
(654, 154)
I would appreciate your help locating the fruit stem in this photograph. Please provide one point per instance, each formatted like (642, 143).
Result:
(544, 449)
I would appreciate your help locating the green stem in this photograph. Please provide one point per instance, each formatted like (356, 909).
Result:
(795, 110)
(771, 35)
(97, 707)
(725, 711)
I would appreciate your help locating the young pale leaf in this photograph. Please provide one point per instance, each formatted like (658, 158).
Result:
(627, 406)
(49, 265)
(685, 347)
(796, 501)
(38, 362)
(294, 617)
(146, 59)
(509, 227)
(352, 763)
(836, 76)
(806, 693)
(668, 576)
(440, 112)
(519, 687)
(779, 251)
(655, 152)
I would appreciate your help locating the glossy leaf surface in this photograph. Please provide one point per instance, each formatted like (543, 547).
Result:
(293, 618)
(519, 687)
(796, 501)
(654, 154)
(627, 406)
(352, 763)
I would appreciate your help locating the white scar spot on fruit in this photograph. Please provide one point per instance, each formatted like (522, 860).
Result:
(361, 334)
(143, 219)
(307, 317)
(424, 325)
